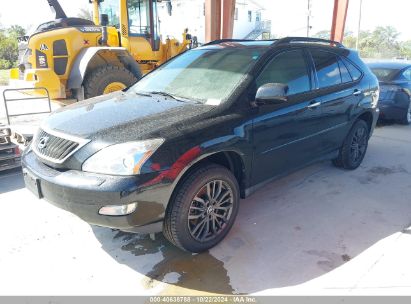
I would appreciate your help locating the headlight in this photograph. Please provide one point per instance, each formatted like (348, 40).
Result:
(122, 159)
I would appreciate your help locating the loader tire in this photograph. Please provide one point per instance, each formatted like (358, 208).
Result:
(107, 79)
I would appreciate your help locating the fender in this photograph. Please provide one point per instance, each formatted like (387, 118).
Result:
(83, 59)
(193, 157)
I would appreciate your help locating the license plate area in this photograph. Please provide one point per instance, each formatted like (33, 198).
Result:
(32, 183)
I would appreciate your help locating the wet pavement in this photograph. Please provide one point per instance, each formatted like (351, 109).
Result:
(321, 230)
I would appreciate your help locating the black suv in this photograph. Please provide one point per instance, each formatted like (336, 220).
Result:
(177, 151)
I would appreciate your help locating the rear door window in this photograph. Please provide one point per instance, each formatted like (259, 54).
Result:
(288, 68)
(328, 70)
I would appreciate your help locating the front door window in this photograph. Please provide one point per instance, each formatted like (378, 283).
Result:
(288, 68)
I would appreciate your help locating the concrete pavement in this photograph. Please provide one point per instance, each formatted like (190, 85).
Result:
(321, 230)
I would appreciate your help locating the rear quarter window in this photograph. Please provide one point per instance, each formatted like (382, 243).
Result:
(345, 75)
(354, 71)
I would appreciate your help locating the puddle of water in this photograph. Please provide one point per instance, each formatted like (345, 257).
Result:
(201, 272)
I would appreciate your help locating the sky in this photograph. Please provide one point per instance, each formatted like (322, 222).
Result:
(289, 17)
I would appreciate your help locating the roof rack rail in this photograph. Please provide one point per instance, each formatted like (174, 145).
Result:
(235, 40)
(282, 40)
(309, 40)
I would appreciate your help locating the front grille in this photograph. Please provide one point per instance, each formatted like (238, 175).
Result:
(54, 148)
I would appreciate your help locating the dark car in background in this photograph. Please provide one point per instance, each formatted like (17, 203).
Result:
(177, 151)
(395, 89)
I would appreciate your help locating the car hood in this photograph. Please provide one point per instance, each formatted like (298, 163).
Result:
(120, 116)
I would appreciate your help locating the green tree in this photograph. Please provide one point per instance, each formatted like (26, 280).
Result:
(9, 52)
(405, 49)
(382, 42)
(16, 31)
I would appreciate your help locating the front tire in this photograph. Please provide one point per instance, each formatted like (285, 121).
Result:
(354, 147)
(107, 79)
(203, 209)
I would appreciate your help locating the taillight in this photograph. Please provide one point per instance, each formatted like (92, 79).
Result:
(17, 151)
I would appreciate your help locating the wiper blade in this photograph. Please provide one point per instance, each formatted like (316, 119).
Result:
(142, 94)
(164, 94)
(175, 97)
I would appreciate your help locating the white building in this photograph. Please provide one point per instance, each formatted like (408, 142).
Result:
(248, 19)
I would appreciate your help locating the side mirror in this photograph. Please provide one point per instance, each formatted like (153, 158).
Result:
(104, 19)
(271, 93)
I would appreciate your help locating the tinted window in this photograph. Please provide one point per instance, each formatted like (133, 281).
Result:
(354, 71)
(289, 68)
(385, 74)
(345, 75)
(328, 70)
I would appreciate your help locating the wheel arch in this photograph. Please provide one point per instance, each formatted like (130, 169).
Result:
(93, 57)
(231, 160)
(368, 117)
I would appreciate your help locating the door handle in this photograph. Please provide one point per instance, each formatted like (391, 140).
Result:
(314, 104)
(357, 92)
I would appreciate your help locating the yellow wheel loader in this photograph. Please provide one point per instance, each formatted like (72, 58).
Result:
(75, 58)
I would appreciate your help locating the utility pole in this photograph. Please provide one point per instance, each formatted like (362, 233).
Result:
(308, 17)
(359, 27)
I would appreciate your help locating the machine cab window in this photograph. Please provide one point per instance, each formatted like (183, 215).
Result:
(143, 20)
(139, 17)
(111, 9)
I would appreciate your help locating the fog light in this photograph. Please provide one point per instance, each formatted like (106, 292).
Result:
(118, 209)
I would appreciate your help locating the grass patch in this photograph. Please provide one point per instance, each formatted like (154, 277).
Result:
(4, 77)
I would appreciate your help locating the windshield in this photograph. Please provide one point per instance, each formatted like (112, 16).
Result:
(111, 8)
(208, 76)
(385, 74)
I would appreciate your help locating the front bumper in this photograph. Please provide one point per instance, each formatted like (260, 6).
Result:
(83, 194)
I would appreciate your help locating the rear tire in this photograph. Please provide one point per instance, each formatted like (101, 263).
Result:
(203, 209)
(98, 81)
(354, 147)
(406, 120)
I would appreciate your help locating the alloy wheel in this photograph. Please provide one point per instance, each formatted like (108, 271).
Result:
(358, 145)
(210, 210)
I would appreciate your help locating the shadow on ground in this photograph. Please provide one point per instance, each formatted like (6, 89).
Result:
(11, 180)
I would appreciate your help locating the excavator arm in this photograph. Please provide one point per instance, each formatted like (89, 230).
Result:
(57, 9)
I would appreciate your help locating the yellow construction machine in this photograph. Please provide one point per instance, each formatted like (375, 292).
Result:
(75, 58)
